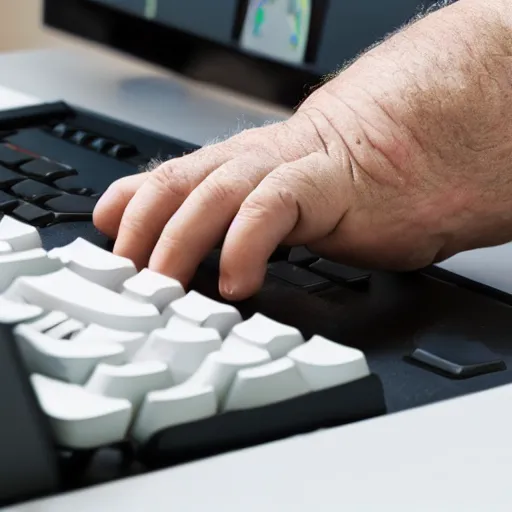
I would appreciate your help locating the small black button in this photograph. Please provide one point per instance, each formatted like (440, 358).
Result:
(101, 145)
(63, 130)
(301, 256)
(9, 178)
(340, 273)
(72, 204)
(122, 151)
(297, 276)
(454, 354)
(73, 185)
(11, 157)
(33, 215)
(139, 161)
(7, 202)
(81, 137)
(46, 169)
(35, 191)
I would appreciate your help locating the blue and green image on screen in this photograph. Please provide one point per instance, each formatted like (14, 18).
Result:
(278, 28)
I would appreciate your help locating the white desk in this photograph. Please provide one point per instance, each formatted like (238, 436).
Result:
(450, 456)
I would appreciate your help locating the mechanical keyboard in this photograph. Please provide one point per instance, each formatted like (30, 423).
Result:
(108, 371)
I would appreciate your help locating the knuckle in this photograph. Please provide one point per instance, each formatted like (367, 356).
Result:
(172, 179)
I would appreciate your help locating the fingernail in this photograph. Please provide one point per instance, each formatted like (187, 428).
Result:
(227, 287)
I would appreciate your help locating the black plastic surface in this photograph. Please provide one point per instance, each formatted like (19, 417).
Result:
(28, 462)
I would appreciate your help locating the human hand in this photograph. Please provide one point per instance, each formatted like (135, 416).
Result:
(401, 160)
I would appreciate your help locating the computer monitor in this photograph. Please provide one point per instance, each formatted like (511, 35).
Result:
(270, 49)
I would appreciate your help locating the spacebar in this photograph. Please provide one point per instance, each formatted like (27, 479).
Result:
(86, 301)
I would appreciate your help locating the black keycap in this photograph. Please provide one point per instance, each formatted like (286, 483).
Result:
(28, 465)
(81, 137)
(35, 191)
(73, 185)
(46, 169)
(9, 178)
(63, 130)
(340, 273)
(101, 145)
(12, 158)
(455, 354)
(34, 215)
(7, 202)
(301, 256)
(139, 161)
(72, 204)
(122, 151)
(297, 276)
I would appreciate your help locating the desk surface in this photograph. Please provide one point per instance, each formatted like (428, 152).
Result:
(453, 455)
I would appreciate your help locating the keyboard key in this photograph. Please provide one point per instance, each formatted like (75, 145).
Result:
(12, 158)
(34, 191)
(153, 288)
(301, 256)
(48, 321)
(298, 276)
(277, 339)
(46, 169)
(183, 349)
(64, 359)
(197, 309)
(5, 248)
(8, 203)
(323, 363)
(130, 381)
(95, 264)
(65, 330)
(34, 262)
(63, 130)
(122, 151)
(34, 215)
(81, 137)
(219, 368)
(86, 301)
(15, 312)
(101, 145)
(73, 185)
(79, 419)
(72, 204)
(19, 235)
(272, 382)
(173, 406)
(9, 178)
(340, 273)
(130, 341)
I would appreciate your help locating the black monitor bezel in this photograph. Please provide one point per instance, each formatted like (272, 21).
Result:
(285, 85)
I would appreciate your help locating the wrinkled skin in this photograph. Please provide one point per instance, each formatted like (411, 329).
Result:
(402, 159)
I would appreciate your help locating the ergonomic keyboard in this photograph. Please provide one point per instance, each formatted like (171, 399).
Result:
(107, 371)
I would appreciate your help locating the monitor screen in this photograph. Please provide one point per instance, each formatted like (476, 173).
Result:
(272, 49)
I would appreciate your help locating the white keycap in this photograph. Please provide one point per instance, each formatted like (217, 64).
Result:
(182, 348)
(80, 419)
(15, 312)
(131, 381)
(5, 248)
(64, 359)
(48, 321)
(85, 301)
(219, 368)
(278, 339)
(20, 236)
(324, 364)
(95, 264)
(266, 384)
(205, 312)
(173, 406)
(65, 330)
(34, 262)
(152, 287)
(130, 341)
